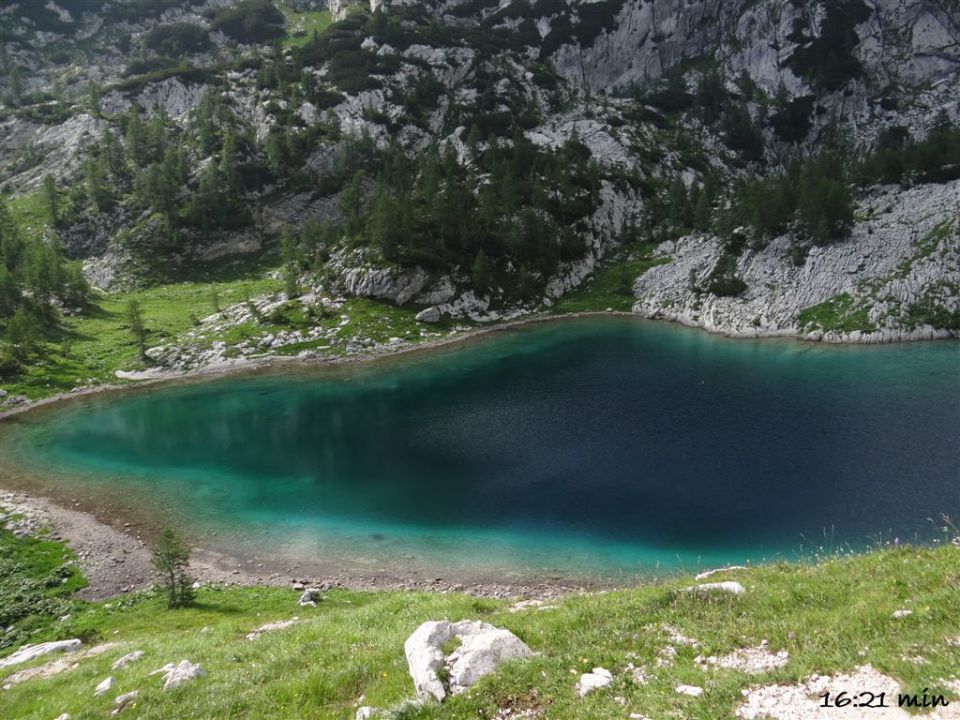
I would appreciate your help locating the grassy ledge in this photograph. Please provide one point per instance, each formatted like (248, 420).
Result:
(830, 616)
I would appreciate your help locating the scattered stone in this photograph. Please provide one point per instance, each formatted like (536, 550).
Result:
(32, 652)
(754, 660)
(803, 701)
(677, 637)
(666, 656)
(638, 716)
(430, 315)
(704, 575)
(310, 597)
(127, 659)
(123, 701)
(50, 669)
(897, 614)
(728, 586)
(298, 587)
(176, 675)
(65, 716)
(482, 648)
(594, 680)
(522, 605)
(270, 627)
(691, 690)
(638, 674)
(366, 712)
(104, 686)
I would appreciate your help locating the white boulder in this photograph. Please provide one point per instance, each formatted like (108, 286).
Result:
(728, 586)
(594, 680)
(127, 659)
(482, 648)
(31, 652)
(104, 686)
(310, 597)
(176, 675)
(430, 315)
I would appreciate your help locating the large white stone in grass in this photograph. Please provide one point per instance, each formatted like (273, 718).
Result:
(104, 686)
(728, 586)
(482, 647)
(31, 652)
(594, 680)
(177, 675)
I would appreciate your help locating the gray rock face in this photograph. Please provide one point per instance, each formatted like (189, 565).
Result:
(482, 648)
(905, 253)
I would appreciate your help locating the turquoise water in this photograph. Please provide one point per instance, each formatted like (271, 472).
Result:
(593, 447)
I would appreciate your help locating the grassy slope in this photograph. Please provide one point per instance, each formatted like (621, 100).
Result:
(610, 286)
(830, 616)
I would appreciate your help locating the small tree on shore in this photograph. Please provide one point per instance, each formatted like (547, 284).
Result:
(171, 557)
(139, 330)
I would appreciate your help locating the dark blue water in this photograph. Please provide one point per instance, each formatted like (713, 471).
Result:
(584, 447)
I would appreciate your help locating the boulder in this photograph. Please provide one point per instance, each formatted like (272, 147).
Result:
(127, 659)
(728, 586)
(31, 652)
(310, 597)
(123, 701)
(691, 690)
(482, 648)
(104, 686)
(366, 712)
(430, 315)
(594, 680)
(176, 675)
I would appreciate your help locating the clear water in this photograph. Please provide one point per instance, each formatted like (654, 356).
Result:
(578, 448)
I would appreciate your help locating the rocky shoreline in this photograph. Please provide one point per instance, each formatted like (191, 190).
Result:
(116, 559)
(899, 270)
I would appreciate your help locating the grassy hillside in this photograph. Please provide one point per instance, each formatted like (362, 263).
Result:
(830, 616)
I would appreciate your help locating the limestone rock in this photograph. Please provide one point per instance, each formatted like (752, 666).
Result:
(482, 648)
(728, 586)
(594, 680)
(177, 674)
(130, 657)
(691, 690)
(270, 627)
(104, 686)
(430, 315)
(31, 652)
(310, 597)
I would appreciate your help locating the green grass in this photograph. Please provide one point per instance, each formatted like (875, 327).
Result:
(831, 616)
(611, 284)
(836, 314)
(96, 344)
(305, 22)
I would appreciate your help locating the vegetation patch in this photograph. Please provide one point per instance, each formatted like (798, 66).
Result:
(838, 314)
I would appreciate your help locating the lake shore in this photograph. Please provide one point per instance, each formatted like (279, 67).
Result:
(161, 376)
(115, 557)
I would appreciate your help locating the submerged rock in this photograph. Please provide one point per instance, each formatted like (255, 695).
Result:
(482, 648)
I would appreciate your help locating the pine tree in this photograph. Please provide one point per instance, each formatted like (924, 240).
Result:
(21, 335)
(51, 200)
(482, 272)
(171, 558)
(137, 328)
(228, 162)
(136, 140)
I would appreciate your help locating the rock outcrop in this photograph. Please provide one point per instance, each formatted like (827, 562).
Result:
(902, 257)
(481, 648)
